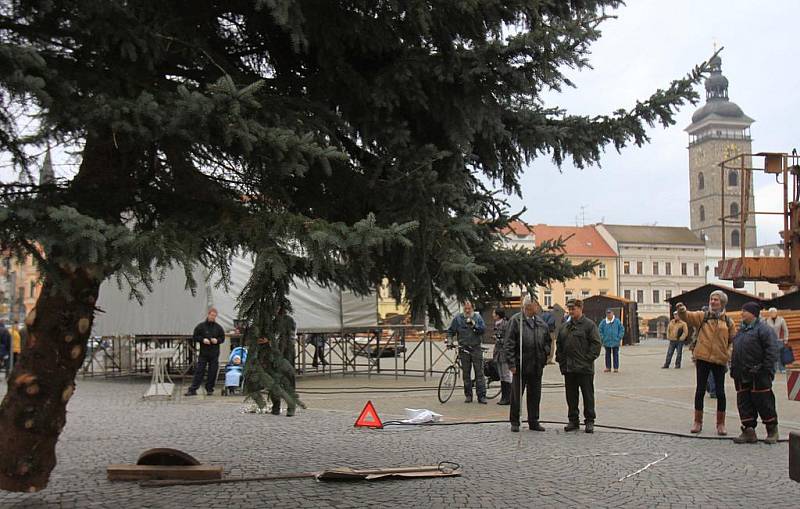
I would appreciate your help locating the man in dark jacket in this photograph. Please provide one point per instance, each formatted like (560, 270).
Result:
(468, 327)
(5, 345)
(209, 335)
(577, 347)
(755, 351)
(528, 368)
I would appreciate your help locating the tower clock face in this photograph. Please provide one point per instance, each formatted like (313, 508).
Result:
(731, 150)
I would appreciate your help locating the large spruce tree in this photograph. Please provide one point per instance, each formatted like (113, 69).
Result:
(339, 141)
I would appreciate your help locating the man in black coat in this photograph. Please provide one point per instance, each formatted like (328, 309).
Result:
(209, 335)
(755, 352)
(577, 347)
(528, 367)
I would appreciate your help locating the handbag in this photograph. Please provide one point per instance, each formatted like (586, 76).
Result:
(787, 355)
(490, 370)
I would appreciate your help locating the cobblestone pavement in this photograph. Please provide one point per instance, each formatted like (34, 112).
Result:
(108, 422)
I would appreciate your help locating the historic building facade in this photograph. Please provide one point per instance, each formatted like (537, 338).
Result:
(654, 263)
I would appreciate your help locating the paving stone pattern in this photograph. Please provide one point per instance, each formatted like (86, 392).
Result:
(108, 423)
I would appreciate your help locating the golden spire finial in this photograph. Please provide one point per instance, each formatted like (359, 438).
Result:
(715, 43)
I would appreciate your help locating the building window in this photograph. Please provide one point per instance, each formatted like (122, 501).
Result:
(655, 268)
(587, 274)
(684, 271)
(640, 296)
(696, 269)
(668, 268)
(567, 296)
(639, 268)
(656, 297)
(601, 271)
(733, 178)
(627, 294)
(735, 238)
(774, 295)
(702, 213)
(701, 181)
(760, 295)
(626, 267)
(603, 292)
(734, 209)
(667, 294)
(585, 294)
(548, 298)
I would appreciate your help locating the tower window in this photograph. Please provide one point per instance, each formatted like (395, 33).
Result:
(734, 209)
(735, 238)
(702, 213)
(733, 178)
(701, 181)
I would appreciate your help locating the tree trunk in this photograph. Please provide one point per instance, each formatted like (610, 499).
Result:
(33, 412)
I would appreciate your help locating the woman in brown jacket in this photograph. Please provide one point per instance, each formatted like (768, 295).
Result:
(711, 353)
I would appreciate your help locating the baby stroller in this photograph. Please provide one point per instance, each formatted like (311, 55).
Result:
(234, 370)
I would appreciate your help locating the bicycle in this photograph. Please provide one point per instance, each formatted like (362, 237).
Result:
(449, 380)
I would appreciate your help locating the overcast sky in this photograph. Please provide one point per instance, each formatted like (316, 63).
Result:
(651, 43)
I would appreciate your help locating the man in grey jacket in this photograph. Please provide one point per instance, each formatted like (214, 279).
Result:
(468, 326)
(526, 361)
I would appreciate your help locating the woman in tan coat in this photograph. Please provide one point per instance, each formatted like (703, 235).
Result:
(711, 353)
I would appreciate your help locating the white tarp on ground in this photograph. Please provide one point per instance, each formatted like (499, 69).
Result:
(171, 309)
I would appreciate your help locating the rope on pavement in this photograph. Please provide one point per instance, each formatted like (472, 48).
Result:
(605, 426)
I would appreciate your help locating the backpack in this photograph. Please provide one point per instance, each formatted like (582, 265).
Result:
(692, 342)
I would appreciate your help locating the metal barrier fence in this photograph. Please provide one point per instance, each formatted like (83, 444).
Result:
(385, 351)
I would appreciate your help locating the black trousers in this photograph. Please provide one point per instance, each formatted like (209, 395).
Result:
(532, 380)
(470, 360)
(703, 368)
(755, 398)
(584, 382)
(203, 362)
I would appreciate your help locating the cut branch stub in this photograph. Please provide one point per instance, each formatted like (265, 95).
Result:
(31, 318)
(83, 325)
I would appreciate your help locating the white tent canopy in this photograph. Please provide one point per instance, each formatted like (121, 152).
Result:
(172, 310)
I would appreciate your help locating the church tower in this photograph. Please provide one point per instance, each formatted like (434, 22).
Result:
(719, 130)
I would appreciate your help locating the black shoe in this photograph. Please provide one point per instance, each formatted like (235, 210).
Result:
(290, 411)
(572, 426)
(314, 364)
(515, 428)
(589, 427)
(677, 366)
(468, 399)
(535, 426)
(190, 392)
(503, 402)
(276, 410)
(482, 400)
(209, 393)
(665, 367)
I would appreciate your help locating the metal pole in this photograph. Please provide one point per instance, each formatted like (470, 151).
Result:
(722, 188)
(745, 199)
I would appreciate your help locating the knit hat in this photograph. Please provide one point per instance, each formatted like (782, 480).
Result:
(753, 308)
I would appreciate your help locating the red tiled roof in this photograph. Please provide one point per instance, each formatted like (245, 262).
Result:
(517, 228)
(583, 240)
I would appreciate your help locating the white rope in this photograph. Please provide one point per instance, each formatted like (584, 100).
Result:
(666, 455)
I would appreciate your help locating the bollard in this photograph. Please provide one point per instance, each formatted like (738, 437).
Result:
(794, 456)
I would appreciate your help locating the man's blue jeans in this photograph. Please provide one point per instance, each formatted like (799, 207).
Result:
(673, 347)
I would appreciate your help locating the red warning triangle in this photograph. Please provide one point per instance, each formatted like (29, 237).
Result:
(368, 417)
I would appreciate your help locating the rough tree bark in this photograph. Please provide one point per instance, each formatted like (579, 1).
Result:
(34, 410)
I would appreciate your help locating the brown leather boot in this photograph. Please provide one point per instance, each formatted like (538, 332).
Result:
(772, 434)
(721, 424)
(697, 427)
